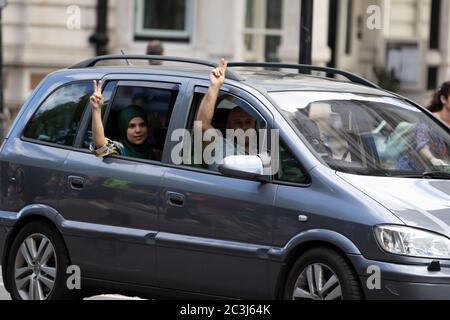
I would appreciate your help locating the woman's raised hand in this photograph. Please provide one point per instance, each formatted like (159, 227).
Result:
(97, 97)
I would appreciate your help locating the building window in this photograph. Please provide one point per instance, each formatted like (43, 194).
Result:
(167, 20)
(263, 30)
(432, 81)
(403, 60)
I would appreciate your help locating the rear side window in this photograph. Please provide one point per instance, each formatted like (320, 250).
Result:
(58, 118)
(157, 101)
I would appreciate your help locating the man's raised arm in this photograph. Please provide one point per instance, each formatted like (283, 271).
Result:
(207, 106)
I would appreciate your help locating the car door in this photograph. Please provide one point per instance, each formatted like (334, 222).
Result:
(215, 231)
(111, 204)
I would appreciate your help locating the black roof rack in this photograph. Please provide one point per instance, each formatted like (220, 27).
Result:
(89, 63)
(230, 75)
(308, 68)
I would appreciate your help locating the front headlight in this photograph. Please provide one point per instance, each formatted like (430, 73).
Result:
(412, 242)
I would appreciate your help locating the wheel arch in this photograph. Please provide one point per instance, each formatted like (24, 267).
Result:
(28, 215)
(309, 240)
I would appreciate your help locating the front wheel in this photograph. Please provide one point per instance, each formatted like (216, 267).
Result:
(37, 264)
(322, 274)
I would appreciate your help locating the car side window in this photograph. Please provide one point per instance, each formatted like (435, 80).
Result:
(290, 169)
(225, 108)
(58, 118)
(157, 104)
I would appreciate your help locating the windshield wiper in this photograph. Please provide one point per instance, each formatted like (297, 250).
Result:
(436, 175)
(425, 175)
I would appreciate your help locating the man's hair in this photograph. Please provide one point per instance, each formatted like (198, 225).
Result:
(155, 48)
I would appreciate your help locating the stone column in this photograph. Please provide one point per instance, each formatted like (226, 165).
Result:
(222, 35)
(321, 52)
(289, 48)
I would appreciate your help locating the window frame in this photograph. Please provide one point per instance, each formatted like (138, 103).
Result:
(142, 33)
(239, 93)
(135, 82)
(41, 103)
(259, 54)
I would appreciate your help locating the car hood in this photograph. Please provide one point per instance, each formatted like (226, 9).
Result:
(420, 203)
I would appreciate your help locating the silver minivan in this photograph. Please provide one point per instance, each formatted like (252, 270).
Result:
(359, 207)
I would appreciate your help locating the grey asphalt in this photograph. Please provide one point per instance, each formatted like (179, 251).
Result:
(4, 295)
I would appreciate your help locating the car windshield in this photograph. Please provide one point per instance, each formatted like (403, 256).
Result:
(369, 135)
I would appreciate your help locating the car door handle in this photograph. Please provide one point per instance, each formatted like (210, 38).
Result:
(175, 199)
(76, 183)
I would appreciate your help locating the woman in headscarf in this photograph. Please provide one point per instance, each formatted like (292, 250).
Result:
(133, 128)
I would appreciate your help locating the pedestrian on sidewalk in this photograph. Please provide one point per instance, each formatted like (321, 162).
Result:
(440, 105)
(155, 48)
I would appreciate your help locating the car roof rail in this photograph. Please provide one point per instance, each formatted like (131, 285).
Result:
(89, 63)
(308, 68)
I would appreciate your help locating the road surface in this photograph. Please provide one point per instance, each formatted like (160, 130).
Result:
(4, 295)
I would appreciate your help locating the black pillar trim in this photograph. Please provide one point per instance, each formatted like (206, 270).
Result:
(435, 24)
(306, 31)
(100, 37)
(333, 18)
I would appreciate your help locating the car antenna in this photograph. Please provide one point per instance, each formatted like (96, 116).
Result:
(128, 62)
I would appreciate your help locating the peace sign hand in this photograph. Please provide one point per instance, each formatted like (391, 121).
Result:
(218, 74)
(97, 97)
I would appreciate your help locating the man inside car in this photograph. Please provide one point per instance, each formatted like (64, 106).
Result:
(238, 120)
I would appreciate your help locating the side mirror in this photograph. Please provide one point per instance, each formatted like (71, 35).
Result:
(242, 167)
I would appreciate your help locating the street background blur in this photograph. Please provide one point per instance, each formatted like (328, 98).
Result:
(402, 44)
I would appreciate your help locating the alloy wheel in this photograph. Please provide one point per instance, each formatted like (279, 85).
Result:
(35, 268)
(317, 282)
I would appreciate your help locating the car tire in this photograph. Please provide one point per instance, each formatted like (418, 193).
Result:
(37, 265)
(322, 274)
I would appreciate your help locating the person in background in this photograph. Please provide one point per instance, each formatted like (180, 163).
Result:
(430, 145)
(440, 105)
(155, 48)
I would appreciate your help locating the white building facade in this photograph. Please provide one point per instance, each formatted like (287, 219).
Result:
(411, 37)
